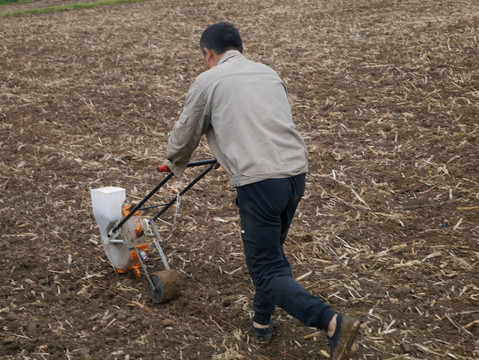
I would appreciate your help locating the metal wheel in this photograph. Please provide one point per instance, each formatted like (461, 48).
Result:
(166, 286)
(156, 291)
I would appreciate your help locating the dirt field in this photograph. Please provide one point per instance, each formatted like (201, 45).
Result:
(386, 94)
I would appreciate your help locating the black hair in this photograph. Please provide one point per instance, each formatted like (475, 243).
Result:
(221, 37)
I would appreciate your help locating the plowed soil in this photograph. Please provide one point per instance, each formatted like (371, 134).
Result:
(386, 95)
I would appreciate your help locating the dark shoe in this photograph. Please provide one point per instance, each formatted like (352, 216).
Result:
(343, 338)
(263, 336)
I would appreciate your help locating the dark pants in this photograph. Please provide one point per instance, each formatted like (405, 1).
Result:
(266, 210)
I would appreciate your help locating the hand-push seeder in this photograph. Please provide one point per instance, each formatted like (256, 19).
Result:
(124, 233)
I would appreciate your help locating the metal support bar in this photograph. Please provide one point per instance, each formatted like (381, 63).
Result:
(144, 268)
(201, 162)
(190, 185)
(152, 207)
(165, 180)
(140, 204)
(118, 241)
(157, 244)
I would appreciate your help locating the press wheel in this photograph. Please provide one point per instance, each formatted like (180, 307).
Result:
(166, 286)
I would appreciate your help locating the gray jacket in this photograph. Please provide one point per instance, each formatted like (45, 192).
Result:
(243, 109)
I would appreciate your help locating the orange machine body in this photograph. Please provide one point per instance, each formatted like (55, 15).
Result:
(134, 233)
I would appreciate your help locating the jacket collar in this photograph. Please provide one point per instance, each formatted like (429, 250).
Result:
(228, 55)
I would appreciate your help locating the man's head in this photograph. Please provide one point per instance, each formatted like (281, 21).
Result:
(217, 39)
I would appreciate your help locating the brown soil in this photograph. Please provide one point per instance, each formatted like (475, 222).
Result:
(386, 95)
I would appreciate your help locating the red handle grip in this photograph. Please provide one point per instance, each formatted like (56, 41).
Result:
(163, 168)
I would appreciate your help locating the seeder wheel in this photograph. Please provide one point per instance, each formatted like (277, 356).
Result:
(166, 286)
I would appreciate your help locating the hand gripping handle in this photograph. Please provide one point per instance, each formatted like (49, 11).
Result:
(164, 168)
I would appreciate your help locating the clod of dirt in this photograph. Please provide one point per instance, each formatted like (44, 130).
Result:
(406, 348)
(402, 291)
(32, 329)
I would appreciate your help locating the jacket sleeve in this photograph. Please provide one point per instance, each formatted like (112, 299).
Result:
(187, 131)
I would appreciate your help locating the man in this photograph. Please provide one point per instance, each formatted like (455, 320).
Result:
(243, 109)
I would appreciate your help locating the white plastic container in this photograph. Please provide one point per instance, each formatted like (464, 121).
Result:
(107, 203)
